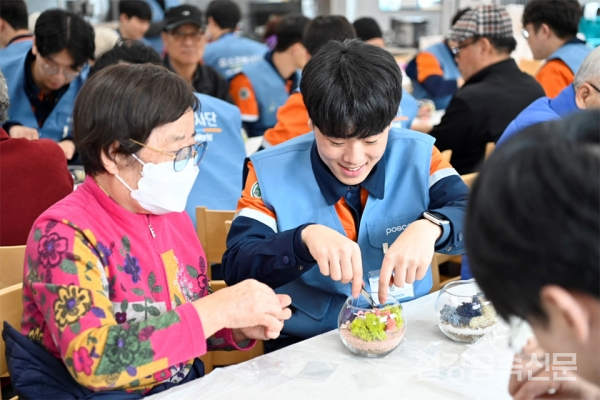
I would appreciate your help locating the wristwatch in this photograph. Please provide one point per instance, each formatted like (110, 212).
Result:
(437, 219)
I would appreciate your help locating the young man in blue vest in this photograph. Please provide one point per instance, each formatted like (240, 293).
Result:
(44, 80)
(228, 52)
(434, 73)
(134, 20)
(216, 122)
(262, 87)
(14, 31)
(318, 212)
(550, 27)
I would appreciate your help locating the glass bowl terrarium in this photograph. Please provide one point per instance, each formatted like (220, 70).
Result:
(371, 332)
(463, 313)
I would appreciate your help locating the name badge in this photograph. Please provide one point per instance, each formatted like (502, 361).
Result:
(400, 293)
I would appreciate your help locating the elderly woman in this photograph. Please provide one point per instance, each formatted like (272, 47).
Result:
(115, 288)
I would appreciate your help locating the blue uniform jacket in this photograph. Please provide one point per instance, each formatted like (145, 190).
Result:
(231, 52)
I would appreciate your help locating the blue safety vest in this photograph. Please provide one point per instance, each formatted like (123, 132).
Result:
(443, 55)
(409, 107)
(270, 91)
(541, 110)
(16, 48)
(58, 124)
(289, 188)
(219, 182)
(230, 53)
(572, 54)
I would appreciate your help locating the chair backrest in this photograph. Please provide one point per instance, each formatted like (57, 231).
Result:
(12, 259)
(210, 226)
(530, 67)
(11, 310)
(447, 155)
(468, 179)
(489, 148)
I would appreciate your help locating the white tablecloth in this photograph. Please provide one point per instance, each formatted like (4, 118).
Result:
(426, 365)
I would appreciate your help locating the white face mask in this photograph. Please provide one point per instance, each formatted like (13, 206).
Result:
(162, 190)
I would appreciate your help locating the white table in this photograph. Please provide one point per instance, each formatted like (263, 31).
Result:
(426, 365)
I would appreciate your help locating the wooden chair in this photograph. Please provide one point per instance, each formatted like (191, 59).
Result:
(447, 155)
(210, 227)
(214, 359)
(12, 259)
(489, 148)
(438, 258)
(11, 310)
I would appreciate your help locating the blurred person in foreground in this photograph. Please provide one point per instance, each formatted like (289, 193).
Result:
(532, 232)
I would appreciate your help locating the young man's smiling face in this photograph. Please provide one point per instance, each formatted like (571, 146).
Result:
(351, 160)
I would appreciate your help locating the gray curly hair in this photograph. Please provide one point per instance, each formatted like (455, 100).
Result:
(4, 100)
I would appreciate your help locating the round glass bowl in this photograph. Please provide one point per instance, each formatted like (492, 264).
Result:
(371, 332)
(463, 313)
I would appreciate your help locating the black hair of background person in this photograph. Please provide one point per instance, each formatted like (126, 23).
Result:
(289, 31)
(562, 16)
(534, 216)
(225, 13)
(57, 30)
(351, 89)
(367, 28)
(324, 28)
(503, 45)
(130, 52)
(15, 13)
(135, 8)
(459, 14)
(137, 99)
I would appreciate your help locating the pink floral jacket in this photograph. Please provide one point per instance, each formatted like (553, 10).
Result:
(109, 292)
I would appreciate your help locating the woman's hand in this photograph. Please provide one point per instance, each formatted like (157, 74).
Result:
(249, 304)
(336, 255)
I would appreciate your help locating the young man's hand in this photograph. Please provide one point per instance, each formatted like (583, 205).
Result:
(19, 131)
(336, 255)
(409, 256)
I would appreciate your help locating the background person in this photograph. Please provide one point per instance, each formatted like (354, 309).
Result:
(134, 19)
(14, 32)
(44, 80)
(227, 52)
(550, 27)
(26, 169)
(184, 39)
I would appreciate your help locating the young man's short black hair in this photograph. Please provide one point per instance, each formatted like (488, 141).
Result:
(57, 30)
(15, 13)
(367, 28)
(534, 216)
(324, 28)
(123, 102)
(459, 14)
(129, 52)
(135, 8)
(289, 31)
(562, 16)
(351, 89)
(225, 13)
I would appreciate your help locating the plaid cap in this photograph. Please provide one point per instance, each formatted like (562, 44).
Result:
(488, 20)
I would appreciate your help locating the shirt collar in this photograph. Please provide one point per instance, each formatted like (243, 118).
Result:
(19, 38)
(500, 67)
(332, 189)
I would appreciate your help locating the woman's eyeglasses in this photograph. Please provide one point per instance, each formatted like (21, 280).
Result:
(182, 156)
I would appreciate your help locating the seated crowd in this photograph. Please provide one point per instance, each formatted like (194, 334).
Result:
(342, 195)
